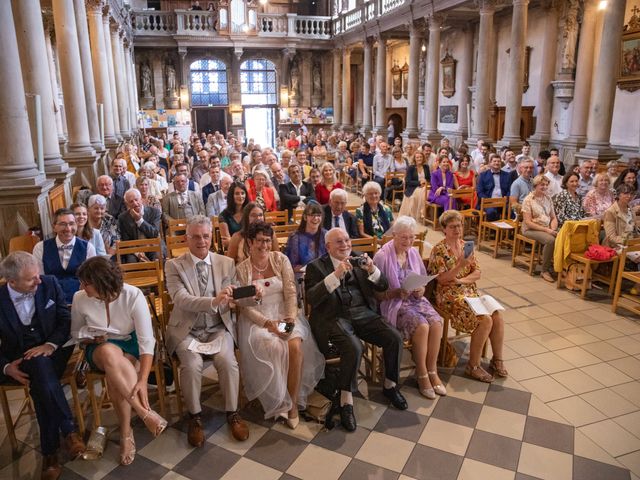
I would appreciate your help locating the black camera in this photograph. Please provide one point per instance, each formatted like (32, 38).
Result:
(358, 261)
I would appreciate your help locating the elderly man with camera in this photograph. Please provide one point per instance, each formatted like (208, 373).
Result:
(340, 289)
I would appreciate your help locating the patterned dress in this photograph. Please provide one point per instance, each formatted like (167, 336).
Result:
(567, 207)
(414, 311)
(378, 229)
(450, 298)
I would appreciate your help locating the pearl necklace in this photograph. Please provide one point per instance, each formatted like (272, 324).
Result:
(260, 270)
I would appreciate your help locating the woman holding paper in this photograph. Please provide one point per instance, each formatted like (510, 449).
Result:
(409, 311)
(105, 302)
(457, 277)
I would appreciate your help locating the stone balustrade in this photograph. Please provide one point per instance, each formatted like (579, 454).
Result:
(370, 10)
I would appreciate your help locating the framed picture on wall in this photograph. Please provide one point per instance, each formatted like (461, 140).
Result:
(629, 78)
(448, 114)
(448, 75)
(405, 80)
(396, 82)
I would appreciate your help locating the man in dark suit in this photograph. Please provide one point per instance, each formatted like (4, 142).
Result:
(336, 214)
(115, 203)
(295, 192)
(139, 222)
(34, 325)
(493, 183)
(344, 311)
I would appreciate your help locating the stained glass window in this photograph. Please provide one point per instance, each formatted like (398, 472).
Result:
(208, 83)
(258, 84)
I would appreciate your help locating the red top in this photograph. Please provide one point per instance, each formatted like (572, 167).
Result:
(293, 144)
(267, 195)
(322, 192)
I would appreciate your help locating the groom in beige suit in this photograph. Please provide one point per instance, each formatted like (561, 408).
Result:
(200, 284)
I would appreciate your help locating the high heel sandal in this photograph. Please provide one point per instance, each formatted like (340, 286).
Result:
(438, 387)
(499, 371)
(478, 373)
(127, 449)
(154, 422)
(292, 423)
(426, 392)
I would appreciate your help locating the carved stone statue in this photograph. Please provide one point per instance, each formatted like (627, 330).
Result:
(570, 36)
(171, 80)
(422, 71)
(317, 78)
(145, 80)
(295, 82)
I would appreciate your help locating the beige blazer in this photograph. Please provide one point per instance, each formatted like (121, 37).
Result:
(171, 206)
(615, 226)
(183, 288)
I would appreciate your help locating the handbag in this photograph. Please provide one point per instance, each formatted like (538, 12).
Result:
(574, 277)
(318, 407)
(599, 253)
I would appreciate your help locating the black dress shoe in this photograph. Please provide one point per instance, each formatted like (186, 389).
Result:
(347, 418)
(396, 398)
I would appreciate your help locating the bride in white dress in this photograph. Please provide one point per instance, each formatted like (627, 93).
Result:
(280, 368)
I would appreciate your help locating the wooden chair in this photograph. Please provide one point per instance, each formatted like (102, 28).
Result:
(177, 226)
(503, 229)
(471, 217)
(365, 245)
(176, 246)
(283, 232)
(627, 301)
(23, 243)
(297, 215)
(526, 251)
(388, 182)
(136, 247)
(278, 217)
(352, 209)
(359, 181)
(417, 243)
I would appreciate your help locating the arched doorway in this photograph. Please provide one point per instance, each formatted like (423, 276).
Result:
(209, 95)
(258, 89)
(397, 123)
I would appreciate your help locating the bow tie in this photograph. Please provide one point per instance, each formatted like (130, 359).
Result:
(65, 247)
(25, 296)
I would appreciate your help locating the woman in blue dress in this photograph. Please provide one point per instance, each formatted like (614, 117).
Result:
(307, 243)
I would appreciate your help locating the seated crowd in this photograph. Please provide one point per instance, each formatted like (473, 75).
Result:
(72, 281)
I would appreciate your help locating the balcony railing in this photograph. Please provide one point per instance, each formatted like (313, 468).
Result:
(208, 24)
(370, 10)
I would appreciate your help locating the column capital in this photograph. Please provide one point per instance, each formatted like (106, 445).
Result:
(95, 7)
(520, 3)
(487, 6)
(435, 21)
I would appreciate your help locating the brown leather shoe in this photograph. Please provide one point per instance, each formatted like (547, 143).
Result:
(239, 429)
(51, 469)
(195, 435)
(75, 445)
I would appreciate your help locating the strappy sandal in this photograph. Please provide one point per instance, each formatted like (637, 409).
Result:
(426, 392)
(499, 371)
(127, 449)
(154, 422)
(478, 373)
(437, 387)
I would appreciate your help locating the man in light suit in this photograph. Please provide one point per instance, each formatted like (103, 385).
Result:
(336, 214)
(138, 222)
(34, 325)
(217, 201)
(181, 203)
(200, 284)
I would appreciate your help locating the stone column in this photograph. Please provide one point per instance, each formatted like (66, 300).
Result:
(603, 92)
(366, 90)
(23, 189)
(80, 153)
(47, 17)
(121, 91)
(337, 106)
(430, 133)
(380, 127)
(87, 75)
(483, 72)
(106, 31)
(464, 80)
(513, 112)
(101, 71)
(541, 138)
(346, 89)
(131, 86)
(584, 76)
(415, 41)
(37, 80)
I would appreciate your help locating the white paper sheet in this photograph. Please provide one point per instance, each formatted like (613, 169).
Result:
(415, 281)
(208, 348)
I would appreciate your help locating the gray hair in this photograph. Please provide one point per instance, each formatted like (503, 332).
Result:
(102, 177)
(13, 264)
(199, 220)
(338, 192)
(404, 223)
(131, 192)
(371, 186)
(99, 199)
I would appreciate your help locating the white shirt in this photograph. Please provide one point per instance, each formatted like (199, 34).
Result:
(206, 178)
(497, 190)
(332, 281)
(196, 187)
(555, 183)
(65, 255)
(25, 305)
(341, 223)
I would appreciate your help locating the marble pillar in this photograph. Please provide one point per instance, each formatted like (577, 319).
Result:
(346, 89)
(101, 71)
(603, 91)
(367, 120)
(121, 91)
(23, 189)
(464, 80)
(80, 153)
(337, 105)
(415, 42)
(584, 76)
(515, 75)
(540, 139)
(380, 127)
(480, 128)
(131, 87)
(432, 78)
(47, 18)
(106, 31)
(87, 75)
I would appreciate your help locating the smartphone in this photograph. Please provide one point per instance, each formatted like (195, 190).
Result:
(285, 327)
(469, 245)
(244, 292)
